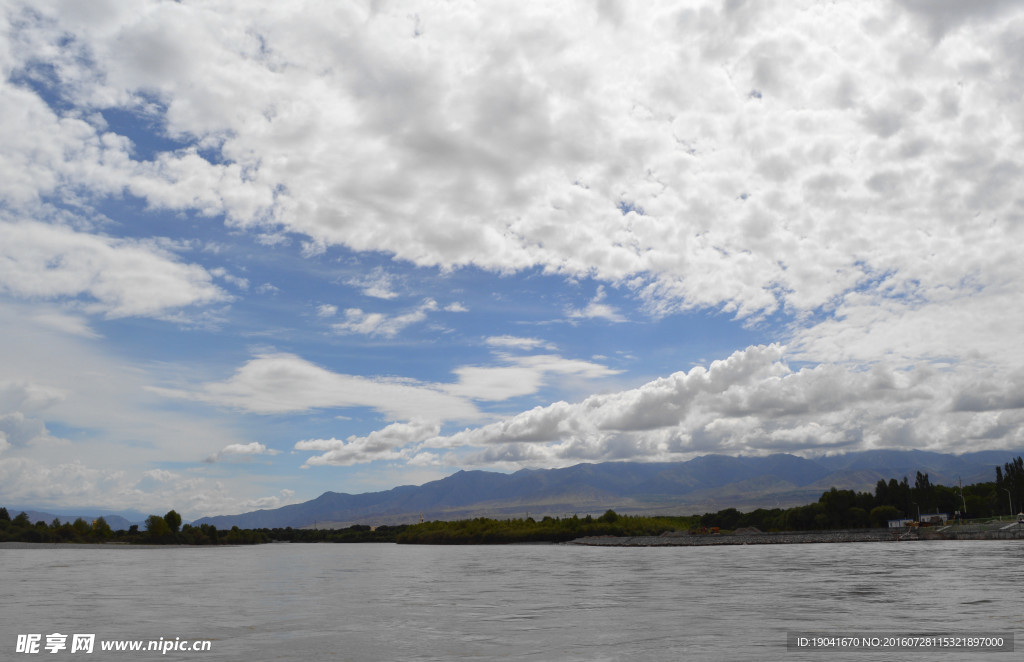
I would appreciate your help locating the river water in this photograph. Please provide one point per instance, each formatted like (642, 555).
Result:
(520, 602)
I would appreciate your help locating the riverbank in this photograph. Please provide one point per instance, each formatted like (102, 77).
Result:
(781, 538)
(987, 531)
(91, 545)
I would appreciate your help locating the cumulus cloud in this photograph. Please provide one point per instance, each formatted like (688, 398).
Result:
(387, 443)
(793, 168)
(241, 451)
(461, 143)
(752, 403)
(852, 168)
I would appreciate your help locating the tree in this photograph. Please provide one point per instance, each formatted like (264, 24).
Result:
(101, 530)
(924, 492)
(4, 515)
(1013, 481)
(21, 519)
(882, 493)
(157, 528)
(173, 520)
(880, 515)
(81, 527)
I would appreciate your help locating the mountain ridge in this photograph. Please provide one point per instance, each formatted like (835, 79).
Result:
(705, 483)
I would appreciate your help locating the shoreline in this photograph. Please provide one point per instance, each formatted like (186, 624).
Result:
(805, 537)
(782, 538)
(95, 545)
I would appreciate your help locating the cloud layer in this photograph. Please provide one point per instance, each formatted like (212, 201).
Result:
(754, 403)
(698, 155)
(839, 179)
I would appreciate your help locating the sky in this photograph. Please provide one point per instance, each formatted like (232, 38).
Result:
(251, 252)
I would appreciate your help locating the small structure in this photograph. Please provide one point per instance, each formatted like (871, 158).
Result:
(900, 523)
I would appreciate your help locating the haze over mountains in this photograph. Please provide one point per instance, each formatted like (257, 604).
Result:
(707, 483)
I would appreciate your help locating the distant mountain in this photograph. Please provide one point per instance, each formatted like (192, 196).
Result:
(707, 483)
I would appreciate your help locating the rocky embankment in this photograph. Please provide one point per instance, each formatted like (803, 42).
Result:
(783, 538)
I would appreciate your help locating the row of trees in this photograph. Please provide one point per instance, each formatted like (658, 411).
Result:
(166, 530)
(892, 499)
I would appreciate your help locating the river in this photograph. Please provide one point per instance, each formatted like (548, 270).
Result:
(518, 602)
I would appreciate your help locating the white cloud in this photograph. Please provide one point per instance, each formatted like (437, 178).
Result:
(378, 284)
(121, 277)
(752, 403)
(237, 281)
(242, 450)
(522, 375)
(516, 342)
(385, 444)
(852, 167)
(379, 324)
(597, 309)
(326, 310)
(112, 420)
(284, 383)
(27, 396)
(72, 324)
(50, 483)
(559, 140)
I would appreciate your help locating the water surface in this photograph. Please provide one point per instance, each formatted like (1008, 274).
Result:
(519, 602)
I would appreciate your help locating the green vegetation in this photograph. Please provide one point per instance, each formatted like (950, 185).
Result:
(835, 509)
(484, 531)
(168, 530)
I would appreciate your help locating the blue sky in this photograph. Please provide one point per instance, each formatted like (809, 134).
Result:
(252, 253)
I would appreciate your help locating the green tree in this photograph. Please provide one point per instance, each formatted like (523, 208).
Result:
(1013, 482)
(82, 528)
(101, 530)
(173, 520)
(880, 515)
(4, 515)
(924, 493)
(21, 519)
(857, 518)
(157, 528)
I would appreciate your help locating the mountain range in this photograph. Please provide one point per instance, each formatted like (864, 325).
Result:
(704, 484)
